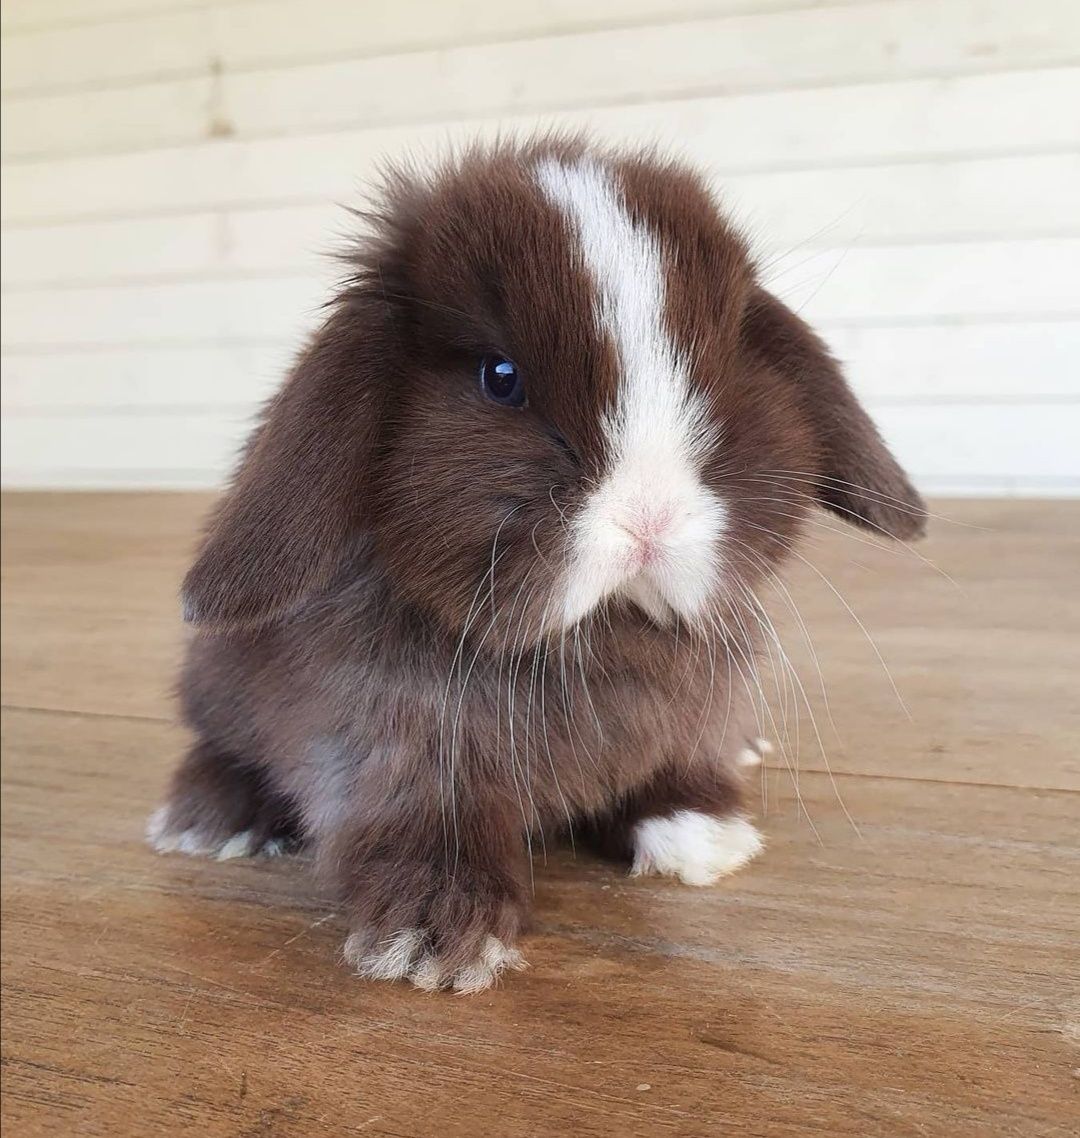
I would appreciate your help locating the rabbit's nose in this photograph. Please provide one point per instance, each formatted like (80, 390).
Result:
(648, 526)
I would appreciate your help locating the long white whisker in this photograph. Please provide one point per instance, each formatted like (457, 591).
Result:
(891, 545)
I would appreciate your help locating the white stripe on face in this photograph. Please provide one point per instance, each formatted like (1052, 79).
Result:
(649, 531)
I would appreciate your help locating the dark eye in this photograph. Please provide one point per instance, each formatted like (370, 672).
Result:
(501, 382)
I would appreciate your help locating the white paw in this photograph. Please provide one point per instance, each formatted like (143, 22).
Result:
(754, 753)
(697, 848)
(404, 956)
(198, 843)
(239, 845)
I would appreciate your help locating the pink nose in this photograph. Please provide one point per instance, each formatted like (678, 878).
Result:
(647, 527)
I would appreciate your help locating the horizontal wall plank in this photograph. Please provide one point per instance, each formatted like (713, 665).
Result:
(925, 282)
(234, 35)
(911, 202)
(223, 375)
(18, 15)
(1032, 111)
(174, 172)
(856, 286)
(207, 311)
(160, 113)
(1007, 448)
(203, 444)
(919, 202)
(1012, 361)
(878, 40)
(909, 364)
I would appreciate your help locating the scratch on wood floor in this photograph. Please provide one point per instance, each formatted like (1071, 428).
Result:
(293, 939)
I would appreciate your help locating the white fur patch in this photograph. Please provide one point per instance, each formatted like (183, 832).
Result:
(403, 956)
(239, 845)
(649, 530)
(198, 843)
(754, 753)
(697, 848)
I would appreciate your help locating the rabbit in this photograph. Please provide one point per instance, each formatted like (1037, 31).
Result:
(484, 574)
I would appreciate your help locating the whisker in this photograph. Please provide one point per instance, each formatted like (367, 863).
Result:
(862, 628)
(813, 721)
(455, 664)
(891, 545)
(547, 741)
(869, 491)
(731, 643)
(762, 566)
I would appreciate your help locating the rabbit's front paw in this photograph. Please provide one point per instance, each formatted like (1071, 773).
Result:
(409, 955)
(434, 929)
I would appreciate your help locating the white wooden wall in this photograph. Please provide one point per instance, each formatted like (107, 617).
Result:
(173, 172)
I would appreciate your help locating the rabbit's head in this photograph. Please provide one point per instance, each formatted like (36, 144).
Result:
(550, 386)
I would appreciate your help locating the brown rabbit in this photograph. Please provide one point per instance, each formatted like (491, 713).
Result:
(486, 569)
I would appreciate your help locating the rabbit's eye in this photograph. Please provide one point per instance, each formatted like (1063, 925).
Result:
(501, 382)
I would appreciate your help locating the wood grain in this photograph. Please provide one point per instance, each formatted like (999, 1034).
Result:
(914, 977)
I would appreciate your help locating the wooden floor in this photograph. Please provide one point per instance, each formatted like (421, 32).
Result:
(902, 961)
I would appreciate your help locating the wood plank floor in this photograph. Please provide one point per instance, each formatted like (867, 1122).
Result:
(903, 961)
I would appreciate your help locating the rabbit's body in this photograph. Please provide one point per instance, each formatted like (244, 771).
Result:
(355, 691)
(443, 620)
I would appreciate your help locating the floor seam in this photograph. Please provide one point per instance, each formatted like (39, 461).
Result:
(71, 713)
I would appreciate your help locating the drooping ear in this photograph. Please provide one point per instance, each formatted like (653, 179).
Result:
(859, 479)
(298, 496)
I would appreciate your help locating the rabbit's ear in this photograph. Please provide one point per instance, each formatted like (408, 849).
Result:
(859, 480)
(298, 498)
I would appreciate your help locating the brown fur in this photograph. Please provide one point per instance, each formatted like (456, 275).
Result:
(370, 665)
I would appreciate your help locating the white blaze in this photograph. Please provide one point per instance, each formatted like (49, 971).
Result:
(658, 430)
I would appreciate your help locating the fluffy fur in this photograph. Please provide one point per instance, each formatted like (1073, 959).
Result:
(430, 629)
